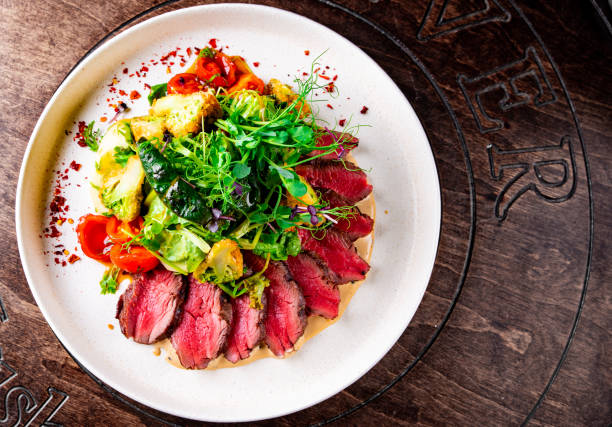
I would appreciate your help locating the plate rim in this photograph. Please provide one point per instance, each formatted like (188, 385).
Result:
(81, 63)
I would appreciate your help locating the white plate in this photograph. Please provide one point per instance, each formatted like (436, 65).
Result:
(405, 185)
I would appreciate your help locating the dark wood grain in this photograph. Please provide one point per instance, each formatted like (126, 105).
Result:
(501, 306)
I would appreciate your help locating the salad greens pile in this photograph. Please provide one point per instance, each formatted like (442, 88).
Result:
(232, 187)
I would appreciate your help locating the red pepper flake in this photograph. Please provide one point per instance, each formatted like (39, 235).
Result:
(342, 122)
(330, 87)
(213, 43)
(125, 70)
(73, 258)
(335, 77)
(324, 77)
(304, 73)
(188, 51)
(256, 64)
(144, 69)
(197, 50)
(364, 110)
(63, 263)
(75, 166)
(146, 85)
(168, 55)
(306, 52)
(134, 94)
(54, 232)
(57, 261)
(57, 204)
(78, 138)
(103, 119)
(122, 92)
(330, 107)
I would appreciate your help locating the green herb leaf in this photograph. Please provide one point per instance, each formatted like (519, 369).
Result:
(122, 155)
(241, 171)
(282, 172)
(92, 137)
(207, 52)
(108, 284)
(279, 245)
(157, 91)
(301, 134)
(296, 188)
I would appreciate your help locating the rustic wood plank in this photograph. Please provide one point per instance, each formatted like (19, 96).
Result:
(510, 324)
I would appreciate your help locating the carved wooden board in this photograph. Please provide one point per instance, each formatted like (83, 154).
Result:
(514, 327)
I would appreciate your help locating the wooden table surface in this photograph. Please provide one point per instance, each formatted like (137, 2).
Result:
(516, 101)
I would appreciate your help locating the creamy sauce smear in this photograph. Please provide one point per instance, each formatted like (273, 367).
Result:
(315, 324)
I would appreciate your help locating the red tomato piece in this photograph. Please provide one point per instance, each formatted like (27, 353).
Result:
(249, 82)
(228, 67)
(209, 72)
(135, 259)
(94, 241)
(184, 83)
(120, 231)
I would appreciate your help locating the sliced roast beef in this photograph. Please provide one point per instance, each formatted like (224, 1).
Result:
(357, 225)
(321, 295)
(327, 138)
(147, 309)
(337, 252)
(204, 326)
(247, 330)
(285, 319)
(344, 178)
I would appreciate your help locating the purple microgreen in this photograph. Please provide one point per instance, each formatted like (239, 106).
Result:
(271, 227)
(188, 183)
(213, 226)
(338, 141)
(330, 218)
(333, 135)
(312, 210)
(237, 189)
(120, 109)
(216, 213)
(227, 218)
(314, 220)
(167, 138)
(294, 212)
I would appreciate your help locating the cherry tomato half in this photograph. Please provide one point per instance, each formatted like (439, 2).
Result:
(250, 82)
(209, 72)
(184, 83)
(135, 259)
(94, 241)
(120, 231)
(228, 67)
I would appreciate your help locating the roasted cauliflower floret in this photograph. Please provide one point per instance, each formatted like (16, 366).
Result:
(119, 175)
(183, 113)
(148, 127)
(283, 93)
(223, 264)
